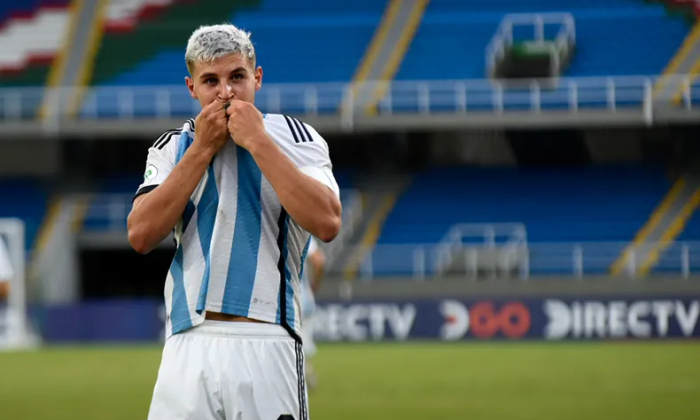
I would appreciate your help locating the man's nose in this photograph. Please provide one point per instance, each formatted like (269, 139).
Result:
(226, 92)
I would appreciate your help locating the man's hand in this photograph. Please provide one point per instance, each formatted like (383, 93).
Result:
(245, 124)
(210, 127)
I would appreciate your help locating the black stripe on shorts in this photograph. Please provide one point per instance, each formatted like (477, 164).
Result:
(301, 382)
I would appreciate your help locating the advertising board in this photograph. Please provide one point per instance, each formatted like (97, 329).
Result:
(548, 319)
(509, 319)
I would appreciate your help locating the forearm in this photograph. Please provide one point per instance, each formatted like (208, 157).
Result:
(310, 203)
(157, 213)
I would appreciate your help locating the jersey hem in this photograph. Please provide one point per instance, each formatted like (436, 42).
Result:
(187, 324)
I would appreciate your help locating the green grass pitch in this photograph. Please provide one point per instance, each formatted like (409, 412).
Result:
(534, 381)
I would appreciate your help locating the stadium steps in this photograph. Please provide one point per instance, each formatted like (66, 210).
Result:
(72, 66)
(54, 270)
(685, 62)
(657, 246)
(663, 226)
(381, 195)
(386, 52)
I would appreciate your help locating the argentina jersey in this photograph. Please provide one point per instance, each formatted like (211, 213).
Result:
(238, 251)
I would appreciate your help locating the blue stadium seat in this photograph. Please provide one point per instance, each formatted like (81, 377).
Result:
(597, 204)
(614, 37)
(25, 199)
(312, 41)
(113, 199)
(112, 203)
(290, 49)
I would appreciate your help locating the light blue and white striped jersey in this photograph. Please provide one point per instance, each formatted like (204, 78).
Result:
(308, 301)
(238, 251)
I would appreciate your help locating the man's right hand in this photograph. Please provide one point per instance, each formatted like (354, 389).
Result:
(211, 131)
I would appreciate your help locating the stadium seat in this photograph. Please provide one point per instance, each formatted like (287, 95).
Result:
(557, 206)
(278, 30)
(112, 201)
(285, 36)
(614, 37)
(26, 199)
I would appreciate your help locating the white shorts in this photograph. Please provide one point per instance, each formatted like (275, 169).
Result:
(231, 370)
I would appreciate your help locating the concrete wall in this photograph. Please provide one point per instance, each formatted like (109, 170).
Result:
(460, 287)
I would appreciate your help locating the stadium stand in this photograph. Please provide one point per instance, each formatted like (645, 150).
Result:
(113, 196)
(692, 229)
(30, 37)
(669, 257)
(25, 199)
(276, 25)
(144, 53)
(610, 35)
(567, 205)
(556, 206)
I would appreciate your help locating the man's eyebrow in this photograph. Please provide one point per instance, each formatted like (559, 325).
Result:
(207, 75)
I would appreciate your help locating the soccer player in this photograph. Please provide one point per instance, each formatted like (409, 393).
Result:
(242, 192)
(316, 261)
(6, 271)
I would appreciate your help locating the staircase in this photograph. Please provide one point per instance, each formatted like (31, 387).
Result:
(663, 227)
(671, 87)
(386, 52)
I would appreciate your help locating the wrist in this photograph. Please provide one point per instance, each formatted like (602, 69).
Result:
(202, 151)
(260, 146)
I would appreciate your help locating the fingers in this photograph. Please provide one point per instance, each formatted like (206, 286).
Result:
(215, 110)
(235, 106)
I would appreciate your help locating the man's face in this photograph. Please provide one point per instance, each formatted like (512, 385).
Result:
(229, 77)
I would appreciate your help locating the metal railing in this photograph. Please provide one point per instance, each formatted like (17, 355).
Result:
(507, 236)
(129, 103)
(107, 212)
(575, 260)
(504, 36)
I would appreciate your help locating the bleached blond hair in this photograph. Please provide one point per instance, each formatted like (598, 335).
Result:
(208, 43)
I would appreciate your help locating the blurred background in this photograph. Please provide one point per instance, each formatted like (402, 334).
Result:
(519, 180)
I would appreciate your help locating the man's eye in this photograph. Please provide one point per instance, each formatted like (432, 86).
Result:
(237, 77)
(210, 81)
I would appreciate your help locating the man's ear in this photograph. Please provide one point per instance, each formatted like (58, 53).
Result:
(258, 78)
(190, 86)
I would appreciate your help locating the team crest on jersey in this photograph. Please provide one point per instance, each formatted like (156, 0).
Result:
(151, 172)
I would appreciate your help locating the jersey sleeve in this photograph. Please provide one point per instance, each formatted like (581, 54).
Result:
(315, 160)
(160, 162)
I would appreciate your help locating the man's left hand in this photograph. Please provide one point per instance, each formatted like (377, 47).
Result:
(245, 124)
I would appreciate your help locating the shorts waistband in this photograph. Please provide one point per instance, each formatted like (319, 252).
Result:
(240, 329)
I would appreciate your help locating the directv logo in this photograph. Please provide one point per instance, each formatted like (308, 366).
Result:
(618, 319)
